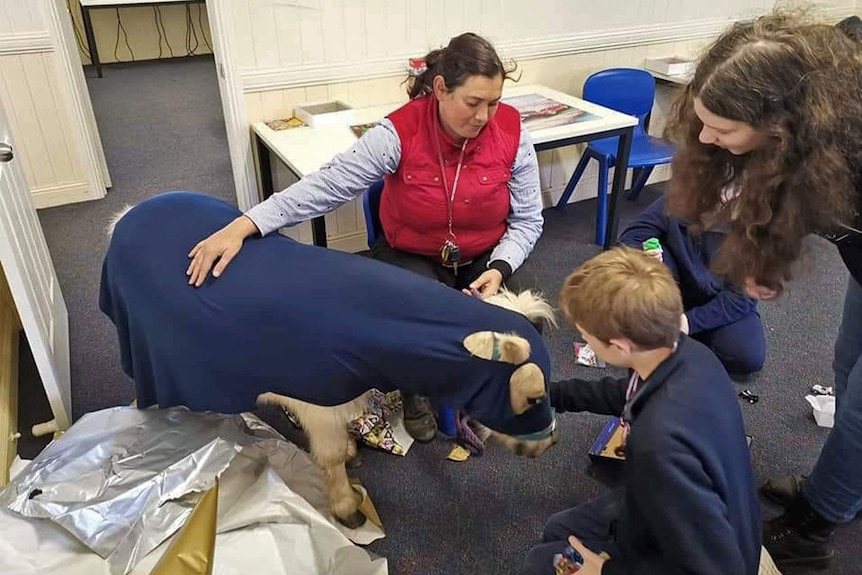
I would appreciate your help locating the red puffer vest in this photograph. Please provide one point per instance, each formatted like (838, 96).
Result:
(414, 209)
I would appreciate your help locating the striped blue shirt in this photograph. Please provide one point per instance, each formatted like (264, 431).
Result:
(378, 153)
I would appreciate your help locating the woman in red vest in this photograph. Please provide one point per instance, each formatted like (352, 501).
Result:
(461, 202)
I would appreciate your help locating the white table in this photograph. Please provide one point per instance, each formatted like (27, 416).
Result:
(305, 149)
(673, 79)
(87, 5)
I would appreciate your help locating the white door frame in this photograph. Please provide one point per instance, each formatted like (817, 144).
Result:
(233, 104)
(71, 70)
(219, 14)
(33, 283)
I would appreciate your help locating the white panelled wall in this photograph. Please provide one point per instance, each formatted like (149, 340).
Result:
(296, 51)
(303, 42)
(287, 52)
(50, 123)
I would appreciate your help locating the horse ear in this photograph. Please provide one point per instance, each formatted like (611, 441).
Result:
(495, 346)
(526, 387)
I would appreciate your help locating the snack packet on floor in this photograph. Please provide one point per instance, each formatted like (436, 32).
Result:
(584, 355)
(377, 427)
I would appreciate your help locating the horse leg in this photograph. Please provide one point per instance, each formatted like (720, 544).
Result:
(343, 499)
(330, 446)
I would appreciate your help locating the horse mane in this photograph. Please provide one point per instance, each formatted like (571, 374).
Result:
(528, 303)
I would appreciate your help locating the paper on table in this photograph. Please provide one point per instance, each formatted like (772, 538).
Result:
(539, 112)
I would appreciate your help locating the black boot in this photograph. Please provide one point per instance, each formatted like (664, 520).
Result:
(800, 536)
(419, 419)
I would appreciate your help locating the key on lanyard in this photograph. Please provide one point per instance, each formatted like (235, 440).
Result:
(450, 253)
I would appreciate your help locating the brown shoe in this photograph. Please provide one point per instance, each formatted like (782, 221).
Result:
(419, 420)
(783, 489)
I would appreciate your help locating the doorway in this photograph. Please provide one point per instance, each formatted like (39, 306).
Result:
(162, 127)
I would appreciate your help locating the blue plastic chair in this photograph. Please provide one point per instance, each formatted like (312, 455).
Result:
(371, 207)
(630, 91)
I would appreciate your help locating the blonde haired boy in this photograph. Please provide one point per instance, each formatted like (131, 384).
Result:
(688, 502)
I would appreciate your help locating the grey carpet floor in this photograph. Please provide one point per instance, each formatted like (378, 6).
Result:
(162, 128)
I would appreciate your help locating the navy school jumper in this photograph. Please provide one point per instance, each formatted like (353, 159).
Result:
(719, 315)
(690, 504)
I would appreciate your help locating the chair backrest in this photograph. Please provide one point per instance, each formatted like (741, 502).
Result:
(627, 90)
(371, 207)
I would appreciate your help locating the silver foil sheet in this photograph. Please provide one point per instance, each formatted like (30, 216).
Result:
(123, 480)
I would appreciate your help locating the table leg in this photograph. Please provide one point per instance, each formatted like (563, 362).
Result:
(636, 172)
(318, 224)
(266, 185)
(318, 231)
(91, 40)
(624, 147)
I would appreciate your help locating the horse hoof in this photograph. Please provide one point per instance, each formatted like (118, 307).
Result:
(354, 521)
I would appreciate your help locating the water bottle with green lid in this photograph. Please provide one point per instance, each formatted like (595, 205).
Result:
(653, 247)
(651, 244)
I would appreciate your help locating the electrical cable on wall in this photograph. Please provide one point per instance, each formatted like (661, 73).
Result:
(162, 32)
(193, 40)
(203, 30)
(191, 32)
(79, 36)
(159, 32)
(122, 28)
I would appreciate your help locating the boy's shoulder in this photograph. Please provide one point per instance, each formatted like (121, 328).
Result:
(695, 360)
(696, 384)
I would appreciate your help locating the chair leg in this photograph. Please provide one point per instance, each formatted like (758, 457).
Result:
(640, 182)
(636, 173)
(602, 201)
(573, 181)
(446, 421)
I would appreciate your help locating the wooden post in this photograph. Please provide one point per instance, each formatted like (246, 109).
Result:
(10, 331)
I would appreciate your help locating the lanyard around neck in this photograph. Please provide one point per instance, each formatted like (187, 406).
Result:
(635, 383)
(450, 194)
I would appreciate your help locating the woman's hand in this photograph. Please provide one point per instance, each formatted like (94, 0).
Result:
(592, 561)
(486, 284)
(222, 246)
(761, 292)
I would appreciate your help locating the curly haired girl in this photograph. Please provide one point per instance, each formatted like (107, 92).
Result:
(770, 136)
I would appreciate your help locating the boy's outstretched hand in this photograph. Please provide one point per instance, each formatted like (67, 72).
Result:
(592, 561)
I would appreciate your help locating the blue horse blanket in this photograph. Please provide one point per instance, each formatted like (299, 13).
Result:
(310, 323)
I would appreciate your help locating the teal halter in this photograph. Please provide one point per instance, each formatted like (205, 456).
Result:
(539, 435)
